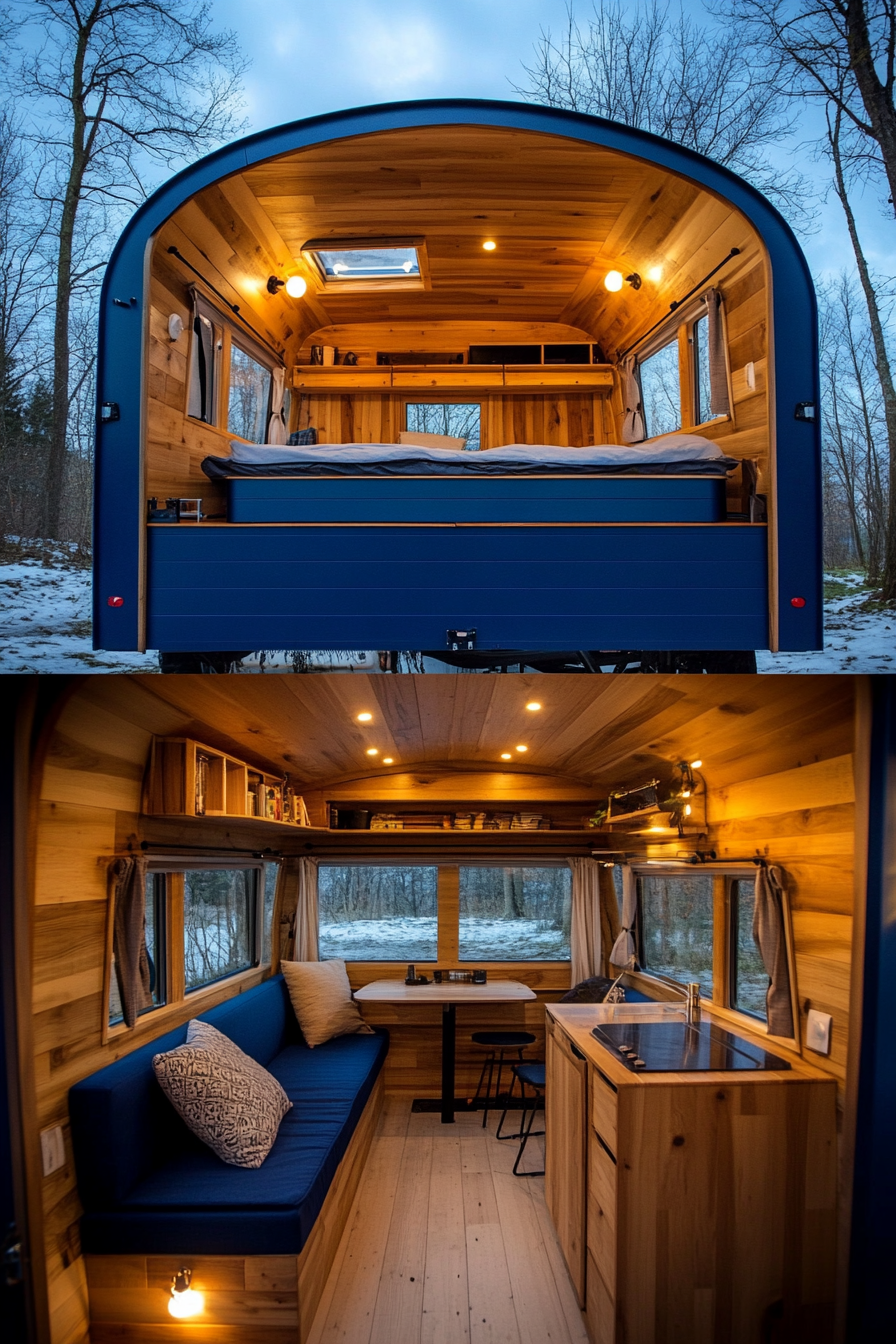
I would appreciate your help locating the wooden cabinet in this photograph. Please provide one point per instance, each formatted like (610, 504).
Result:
(565, 1149)
(531, 378)
(188, 779)
(709, 1209)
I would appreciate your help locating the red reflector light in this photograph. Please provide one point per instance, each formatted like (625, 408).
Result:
(797, 601)
(115, 601)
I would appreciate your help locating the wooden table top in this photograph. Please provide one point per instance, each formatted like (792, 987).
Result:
(452, 991)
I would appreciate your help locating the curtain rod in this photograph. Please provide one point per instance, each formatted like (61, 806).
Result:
(735, 252)
(234, 307)
(210, 850)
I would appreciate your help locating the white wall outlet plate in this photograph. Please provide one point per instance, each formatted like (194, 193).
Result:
(818, 1032)
(52, 1149)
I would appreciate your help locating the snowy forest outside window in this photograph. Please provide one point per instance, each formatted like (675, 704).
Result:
(677, 928)
(374, 912)
(249, 396)
(661, 390)
(515, 914)
(460, 419)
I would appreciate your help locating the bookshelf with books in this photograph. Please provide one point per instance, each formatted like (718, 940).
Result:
(186, 778)
(449, 819)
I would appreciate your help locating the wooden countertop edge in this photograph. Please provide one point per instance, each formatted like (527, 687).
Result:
(566, 1015)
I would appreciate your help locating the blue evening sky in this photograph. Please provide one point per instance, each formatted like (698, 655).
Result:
(309, 58)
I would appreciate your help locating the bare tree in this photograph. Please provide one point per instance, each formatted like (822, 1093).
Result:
(121, 86)
(653, 67)
(842, 52)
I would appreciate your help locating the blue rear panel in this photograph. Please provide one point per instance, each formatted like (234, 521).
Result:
(534, 499)
(624, 587)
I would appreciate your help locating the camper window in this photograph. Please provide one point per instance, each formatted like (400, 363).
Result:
(515, 914)
(231, 376)
(249, 395)
(699, 926)
(460, 419)
(155, 940)
(661, 390)
(378, 912)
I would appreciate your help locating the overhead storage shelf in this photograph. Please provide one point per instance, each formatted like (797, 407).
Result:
(188, 779)
(508, 378)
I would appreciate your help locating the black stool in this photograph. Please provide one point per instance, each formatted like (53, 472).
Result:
(498, 1043)
(529, 1075)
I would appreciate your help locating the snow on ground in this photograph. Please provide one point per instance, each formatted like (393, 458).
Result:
(404, 938)
(45, 600)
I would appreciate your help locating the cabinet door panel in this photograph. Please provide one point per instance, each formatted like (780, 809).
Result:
(602, 1208)
(603, 1109)
(565, 1152)
(600, 1309)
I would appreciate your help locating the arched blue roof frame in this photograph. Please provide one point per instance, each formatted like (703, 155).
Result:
(119, 532)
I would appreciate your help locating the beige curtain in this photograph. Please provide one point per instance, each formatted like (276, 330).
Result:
(770, 938)
(633, 424)
(128, 883)
(276, 427)
(718, 364)
(609, 915)
(306, 924)
(584, 934)
(624, 946)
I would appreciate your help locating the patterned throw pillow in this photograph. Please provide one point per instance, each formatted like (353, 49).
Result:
(223, 1095)
(322, 1000)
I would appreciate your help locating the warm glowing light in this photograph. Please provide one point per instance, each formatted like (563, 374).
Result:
(522, 748)
(505, 756)
(695, 765)
(296, 286)
(372, 751)
(613, 281)
(365, 717)
(388, 760)
(533, 705)
(686, 794)
(687, 810)
(185, 1304)
(489, 245)
(655, 273)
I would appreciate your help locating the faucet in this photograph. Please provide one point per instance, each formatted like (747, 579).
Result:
(691, 995)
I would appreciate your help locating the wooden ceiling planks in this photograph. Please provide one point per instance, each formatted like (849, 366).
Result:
(562, 212)
(605, 732)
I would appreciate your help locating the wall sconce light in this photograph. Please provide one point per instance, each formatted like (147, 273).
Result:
(614, 280)
(175, 326)
(184, 1301)
(295, 286)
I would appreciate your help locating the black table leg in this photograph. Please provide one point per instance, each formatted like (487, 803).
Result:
(449, 1016)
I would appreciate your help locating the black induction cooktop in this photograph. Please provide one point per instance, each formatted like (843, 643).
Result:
(676, 1047)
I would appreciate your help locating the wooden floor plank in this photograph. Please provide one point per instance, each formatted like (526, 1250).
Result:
(575, 1318)
(399, 1304)
(538, 1311)
(394, 1116)
(492, 1312)
(349, 1316)
(446, 1306)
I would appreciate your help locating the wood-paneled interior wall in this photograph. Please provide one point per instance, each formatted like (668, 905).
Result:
(803, 820)
(86, 808)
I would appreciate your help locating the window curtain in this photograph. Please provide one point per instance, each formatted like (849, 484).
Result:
(633, 424)
(624, 946)
(276, 427)
(770, 938)
(306, 919)
(609, 915)
(128, 880)
(584, 932)
(718, 364)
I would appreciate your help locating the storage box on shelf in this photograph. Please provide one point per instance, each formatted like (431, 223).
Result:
(487, 817)
(188, 779)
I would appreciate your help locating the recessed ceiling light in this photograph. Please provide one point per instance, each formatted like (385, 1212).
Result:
(489, 245)
(533, 705)
(521, 748)
(655, 273)
(388, 760)
(372, 751)
(365, 717)
(505, 756)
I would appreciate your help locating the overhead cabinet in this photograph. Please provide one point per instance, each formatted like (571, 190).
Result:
(596, 378)
(188, 779)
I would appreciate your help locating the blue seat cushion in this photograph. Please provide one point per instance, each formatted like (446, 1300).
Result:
(506, 1040)
(195, 1204)
(532, 1074)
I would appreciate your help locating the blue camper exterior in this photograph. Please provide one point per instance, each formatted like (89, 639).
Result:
(565, 587)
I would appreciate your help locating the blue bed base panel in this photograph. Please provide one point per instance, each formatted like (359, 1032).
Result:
(216, 587)
(537, 499)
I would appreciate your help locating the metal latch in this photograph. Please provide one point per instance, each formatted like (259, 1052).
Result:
(109, 410)
(804, 410)
(461, 639)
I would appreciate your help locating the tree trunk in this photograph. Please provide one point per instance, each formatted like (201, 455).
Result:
(881, 359)
(876, 97)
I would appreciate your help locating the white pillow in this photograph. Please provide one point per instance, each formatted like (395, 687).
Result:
(223, 1095)
(322, 999)
(410, 436)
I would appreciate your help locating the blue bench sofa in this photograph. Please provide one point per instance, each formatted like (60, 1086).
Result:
(149, 1187)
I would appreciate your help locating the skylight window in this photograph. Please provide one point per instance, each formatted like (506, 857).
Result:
(350, 262)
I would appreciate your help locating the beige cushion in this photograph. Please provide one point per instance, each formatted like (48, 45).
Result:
(223, 1095)
(430, 440)
(322, 999)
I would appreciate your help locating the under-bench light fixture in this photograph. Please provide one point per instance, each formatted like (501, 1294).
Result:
(184, 1301)
(295, 286)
